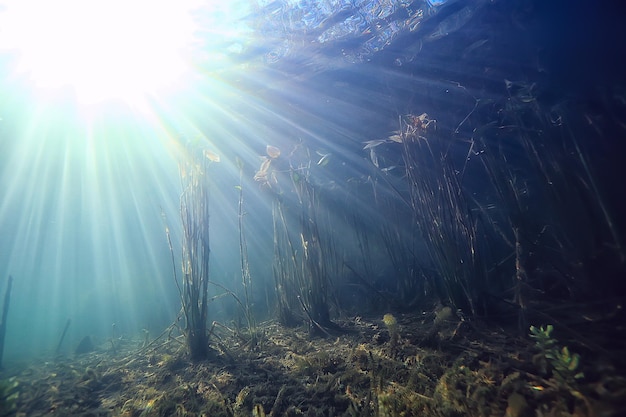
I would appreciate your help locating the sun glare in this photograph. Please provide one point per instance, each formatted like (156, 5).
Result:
(102, 49)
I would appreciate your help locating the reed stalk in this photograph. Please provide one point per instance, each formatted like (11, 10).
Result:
(285, 267)
(246, 278)
(443, 217)
(303, 258)
(5, 313)
(194, 212)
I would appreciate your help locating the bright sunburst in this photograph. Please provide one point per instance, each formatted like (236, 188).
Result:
(96, 97)
(120, 49)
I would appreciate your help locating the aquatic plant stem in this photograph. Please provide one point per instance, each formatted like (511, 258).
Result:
(245, 266)
(441, 214)
(285, 272)
(67, 325)
(5, 311)
(171, 247)
(194, 211)
(600, 201)
(520, 279)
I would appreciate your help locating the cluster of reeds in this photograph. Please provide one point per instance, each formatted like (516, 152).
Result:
(509, 210)
(442, 214)
(194, 212)
(401, 245)
(285, 267)
(313, 263)
(504, 213)
(303, 254)
(550, 213)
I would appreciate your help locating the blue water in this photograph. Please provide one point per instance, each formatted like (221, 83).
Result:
(82, 221)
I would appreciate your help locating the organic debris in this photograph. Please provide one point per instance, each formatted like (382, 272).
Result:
(472, 372)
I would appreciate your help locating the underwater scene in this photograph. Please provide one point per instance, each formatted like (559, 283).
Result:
(312, 208)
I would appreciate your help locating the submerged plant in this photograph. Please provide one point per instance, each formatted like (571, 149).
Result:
(559, 360)
(562, 366)
(304, 251)
(565, 365)
(246, 277)
(392, 326)
(544, 343)
(439, 209)
(194, 213)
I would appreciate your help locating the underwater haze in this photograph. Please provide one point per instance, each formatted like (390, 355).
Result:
(192, 173)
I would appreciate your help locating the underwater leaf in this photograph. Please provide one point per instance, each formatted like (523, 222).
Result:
(272, 151)
(542, 336)
(374, 157)
(261, 174)
(211, 156)
(238, 187)
(565, 355)
(373, 143)
(324, 160)
(396, 137)
(574, 363)
(265, 164)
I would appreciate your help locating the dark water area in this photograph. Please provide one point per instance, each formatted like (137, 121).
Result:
(380, 202)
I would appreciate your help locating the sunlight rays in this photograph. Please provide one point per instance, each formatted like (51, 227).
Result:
(82, 211)
(112, 49)
(90, 164)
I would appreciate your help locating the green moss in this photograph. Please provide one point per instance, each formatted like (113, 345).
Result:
(398, 401)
